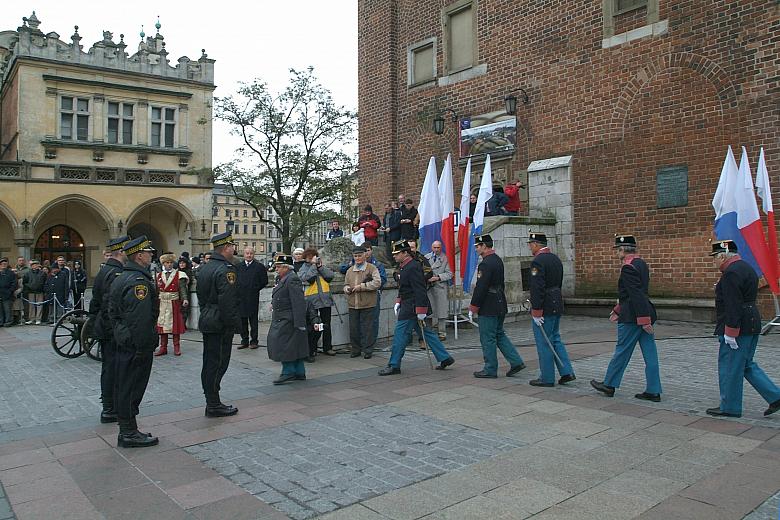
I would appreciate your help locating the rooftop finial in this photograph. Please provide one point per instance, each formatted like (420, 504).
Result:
(158, 24)
(142, 34)
(33, 21)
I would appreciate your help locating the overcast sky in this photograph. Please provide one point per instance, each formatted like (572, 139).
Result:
(261, 39)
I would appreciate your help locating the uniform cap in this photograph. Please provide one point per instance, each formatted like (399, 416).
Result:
(283, 259)
(137, 245)
(116, 244)
(723, 246)
(624, 240)
(481, 239)
(401, 245)
(222, 239)
(541, 238)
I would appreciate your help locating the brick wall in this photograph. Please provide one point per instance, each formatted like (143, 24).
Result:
(623, 112)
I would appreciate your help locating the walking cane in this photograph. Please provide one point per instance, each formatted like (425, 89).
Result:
(425, 342)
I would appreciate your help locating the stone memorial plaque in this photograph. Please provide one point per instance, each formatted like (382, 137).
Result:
(672, 186)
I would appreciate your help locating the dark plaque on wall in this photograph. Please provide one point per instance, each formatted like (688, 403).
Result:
(672, 186)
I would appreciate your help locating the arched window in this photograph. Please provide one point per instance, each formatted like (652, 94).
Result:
(60, 240)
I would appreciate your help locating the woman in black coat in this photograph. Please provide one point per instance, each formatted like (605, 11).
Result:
(288, 340)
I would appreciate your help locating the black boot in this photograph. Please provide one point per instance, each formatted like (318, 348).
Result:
(609, 391)
(130, 437)
(215, 407)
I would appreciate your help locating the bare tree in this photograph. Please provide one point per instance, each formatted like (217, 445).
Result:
(294, 157)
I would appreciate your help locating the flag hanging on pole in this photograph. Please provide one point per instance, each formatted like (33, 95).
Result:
(430, 209)
(485, 193)
(737, 218)
(447, 204)
(468, 255)
(762, 187)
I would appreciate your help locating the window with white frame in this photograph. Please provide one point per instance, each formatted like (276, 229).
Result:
(74, 118)
(163, 127)
(120, 122)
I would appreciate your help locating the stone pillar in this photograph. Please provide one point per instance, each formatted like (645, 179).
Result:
(23, 240)
(200, 238)
(550, 195)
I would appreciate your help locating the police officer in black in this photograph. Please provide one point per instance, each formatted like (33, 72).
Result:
(489, 301)
(133, 309)
(546, 311)
(219, 320)
(101, 324)
(738, 328)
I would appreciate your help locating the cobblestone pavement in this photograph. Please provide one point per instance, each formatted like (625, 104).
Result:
(348, 445)
(688, 375)
(38, 387)
(769, 510)
(359, 455)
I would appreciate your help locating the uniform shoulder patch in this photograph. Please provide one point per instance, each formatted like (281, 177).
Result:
(231, 277)
(534, 271)
(141, 291)
(479, 273)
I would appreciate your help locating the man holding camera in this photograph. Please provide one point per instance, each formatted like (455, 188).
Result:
(361, 283)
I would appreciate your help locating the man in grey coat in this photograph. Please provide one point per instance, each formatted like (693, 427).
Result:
(438, 284)
(287, 338)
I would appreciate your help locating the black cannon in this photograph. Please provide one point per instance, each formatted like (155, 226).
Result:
(72, 336)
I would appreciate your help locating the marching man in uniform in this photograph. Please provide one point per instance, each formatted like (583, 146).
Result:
(546, 310)
(738, 327)
(172, 288)
(489, 302)
(635, 315)
(133, 310)
(412, 307)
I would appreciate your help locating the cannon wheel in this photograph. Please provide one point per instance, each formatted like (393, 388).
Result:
(66, 336)
(90, 344)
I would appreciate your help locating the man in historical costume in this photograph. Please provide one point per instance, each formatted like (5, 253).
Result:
(219, 320)
(411, 308)
(172, 287)
(252, 277)
(288, 341)
(102, 328)
(635, 315)
(738, 328)
(546, 311)
(438, 287)
(489, 302)
(133, 314)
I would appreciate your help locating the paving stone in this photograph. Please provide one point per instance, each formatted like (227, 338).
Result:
(528, 495)
(358, 455)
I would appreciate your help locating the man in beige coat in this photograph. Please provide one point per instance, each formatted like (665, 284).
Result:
(361, 283)
(438, 286)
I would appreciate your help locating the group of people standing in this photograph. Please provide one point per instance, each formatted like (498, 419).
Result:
(127, 305)
(39, 292)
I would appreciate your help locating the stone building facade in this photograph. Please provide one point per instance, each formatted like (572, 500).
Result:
(101, 142)
(634, 102)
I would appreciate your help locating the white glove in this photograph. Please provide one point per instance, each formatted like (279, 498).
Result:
(396, 308)
(421, 316)
(731, 341)
(538, 320)
(471, 316)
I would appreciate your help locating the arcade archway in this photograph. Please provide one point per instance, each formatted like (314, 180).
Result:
(165, 222)
(59, 240)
